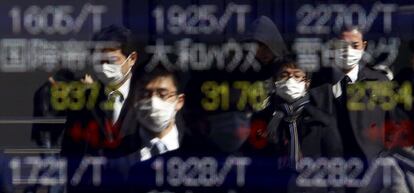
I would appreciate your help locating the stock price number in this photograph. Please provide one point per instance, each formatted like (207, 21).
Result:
(37, 170)
(198, 19)
(77, 95)
(55, 19)
(327, 18)
(338, 172)
(217, 95)
(53, 171)
(371, 94)
(199, 171)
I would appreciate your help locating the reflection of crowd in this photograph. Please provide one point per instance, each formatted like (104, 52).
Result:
(137, 118)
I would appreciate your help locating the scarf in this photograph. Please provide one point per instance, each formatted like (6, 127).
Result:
(288, 113)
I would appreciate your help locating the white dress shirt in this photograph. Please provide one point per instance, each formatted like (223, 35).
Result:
(167, 143)
(118, 103)
(353, 75)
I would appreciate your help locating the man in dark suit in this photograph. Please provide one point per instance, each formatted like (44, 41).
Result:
(357, 122)
(107, 92)
(155, 128)
(48, 135)
(157, 102)
(93, 129)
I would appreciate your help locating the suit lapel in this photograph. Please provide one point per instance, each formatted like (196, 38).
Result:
(356, 116)
(323, 98)
(127, 122)
(102, 122)
(359, 119)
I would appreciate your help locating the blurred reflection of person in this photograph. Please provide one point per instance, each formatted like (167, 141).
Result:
(157, 104)
(360, 129)
(295, 129)
(271, 48)
(94, 129)
(47, 135)
(112, 73)
(156, 128)
(333, 99)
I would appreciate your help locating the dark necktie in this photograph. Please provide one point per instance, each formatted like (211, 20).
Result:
(158, 148)
(344, 83)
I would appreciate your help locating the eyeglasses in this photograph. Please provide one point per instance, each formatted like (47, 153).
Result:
(164, 94)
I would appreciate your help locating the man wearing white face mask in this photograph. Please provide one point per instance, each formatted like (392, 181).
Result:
(295, 129)
(156, 106)
(291, 114)
(114, 68)
(355, 125)
(94, 129)
(352, 123)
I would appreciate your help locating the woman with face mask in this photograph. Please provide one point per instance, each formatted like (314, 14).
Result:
(295, 129)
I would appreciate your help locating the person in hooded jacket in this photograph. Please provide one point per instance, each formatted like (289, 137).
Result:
(221, 123)
(271, 49)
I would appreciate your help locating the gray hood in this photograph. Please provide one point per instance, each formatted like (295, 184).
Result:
(265, 31)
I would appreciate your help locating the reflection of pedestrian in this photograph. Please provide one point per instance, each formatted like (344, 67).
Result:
(157, 123)
(113, 73)
(94, 129)
(47, 135)
(332, 97)
(295, 129)
(271, 48)
(157, 104)
(355, 125)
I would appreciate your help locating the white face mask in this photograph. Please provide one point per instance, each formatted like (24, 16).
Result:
(348, 58)
(112, 73)
(155, 114)
(290, 90)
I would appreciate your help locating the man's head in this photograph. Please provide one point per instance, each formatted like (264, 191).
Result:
(354, 36)
(270, 44)
(117, 55)
(263, 53)
(349, 48)
(63, 74)
(158, 98)
(291, 82)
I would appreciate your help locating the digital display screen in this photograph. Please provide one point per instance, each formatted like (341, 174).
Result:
(206, 96)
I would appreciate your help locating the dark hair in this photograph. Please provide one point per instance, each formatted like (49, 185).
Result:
(116, 34)
(290, 63)
(352, 28)
(141, 78)
(64, 74)
(286, 63)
